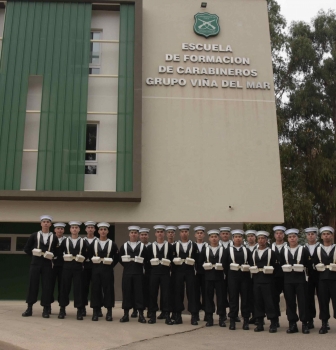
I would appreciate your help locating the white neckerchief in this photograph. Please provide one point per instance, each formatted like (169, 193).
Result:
(238, 248)
(160, 245)
(200, 246)
(90, 240)
(328, 249)
(102, 243)
(149, 243)
(60, 239)
(214, 249)
(133, 244)
(74, 241)
(311, 248)
(251, 247)
(280, 246)
(225, 244)
(45, 236)
(184, 246)
(261, 252)
(293, 250)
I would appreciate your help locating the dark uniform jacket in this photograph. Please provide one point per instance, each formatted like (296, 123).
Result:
(294, 277)
(58, 258)
(132, 267)
(183, 255)
(32, 244)
(260, 263)
(160, 269)
(239, 259)
(213, 274)
(198, 264)
(326, 260)
(278, 273)
(312, 273)
(88, 263)
(102, 253)
(73, 265)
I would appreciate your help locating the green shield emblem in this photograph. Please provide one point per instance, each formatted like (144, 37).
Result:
(206, 24)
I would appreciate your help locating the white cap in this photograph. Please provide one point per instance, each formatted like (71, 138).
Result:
(311, 229)
(75, 223)
(159, 227)
(199, 228)
(213, 232)
(279, 228)
(291, 231)
(45, 217)
(89, 223)
(326, 228)
(133, 228)
(225, 229)
(103, 224)
(262, 233)
(144, 230)
(183, 227)
(250, 232)
(237, 232)
(59, 224)
(170, 228)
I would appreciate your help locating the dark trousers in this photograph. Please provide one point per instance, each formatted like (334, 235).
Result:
(225, 294)
(70, 276)
(172, 293)
(239, 288)
(146, 289)
(210, 288)
(251, 299)
(132, 290)
(37, 272)
(87, 278)
(56, 276)
(162, 281)
(200, 291)
(102, 286)
(299, 292)
(187, 280)
(312, 290)
(278, 289)
(263, 294)
(326, 291)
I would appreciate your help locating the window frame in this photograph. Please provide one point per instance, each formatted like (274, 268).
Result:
(94, 65)
(13, 237)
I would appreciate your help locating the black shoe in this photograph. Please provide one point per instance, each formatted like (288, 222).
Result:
(210, 321)
(221, 321)
(324, 328)
(259, 328)
(152, 320)
(237, 319)
(61, 314)
(125, 318)
(95, 315)
(108, 316)
(134, 314)
(232, 326)
(193, 320)
(28, 312)
(292, 328)
(273, 327)
(84, 311)
(311, 325)
(49, 310)
(79, 314)
(100, 312)
(168, 319)
(141, 318)
(246, 324)
(45, 312)
(162, 316)
(178, 319)
(305, 328)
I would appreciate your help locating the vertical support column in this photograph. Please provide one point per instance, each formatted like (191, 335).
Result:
(125, 99)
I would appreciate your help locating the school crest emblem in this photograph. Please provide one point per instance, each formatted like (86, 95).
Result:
(206, 24)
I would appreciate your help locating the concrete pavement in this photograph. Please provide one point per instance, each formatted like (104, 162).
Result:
(17, 333)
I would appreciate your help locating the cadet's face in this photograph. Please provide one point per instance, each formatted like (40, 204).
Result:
(237, 240)
(103, 232)
(45, 224)
(225, 236)
(144, 237)
(159, 234)
(327, 237)
(214, 239)
(293, 240)
(59, 231)
(184, 235)
(251, 239)
(170, 234)
(134, 235)
(199, 235)
(279, 236)
(311, 237)
(90, 230)
(74, 230)
(262, 240)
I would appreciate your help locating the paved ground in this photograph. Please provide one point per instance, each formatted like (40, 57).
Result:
(17, 333)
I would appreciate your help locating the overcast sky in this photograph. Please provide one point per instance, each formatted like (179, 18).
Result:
(304, 10)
